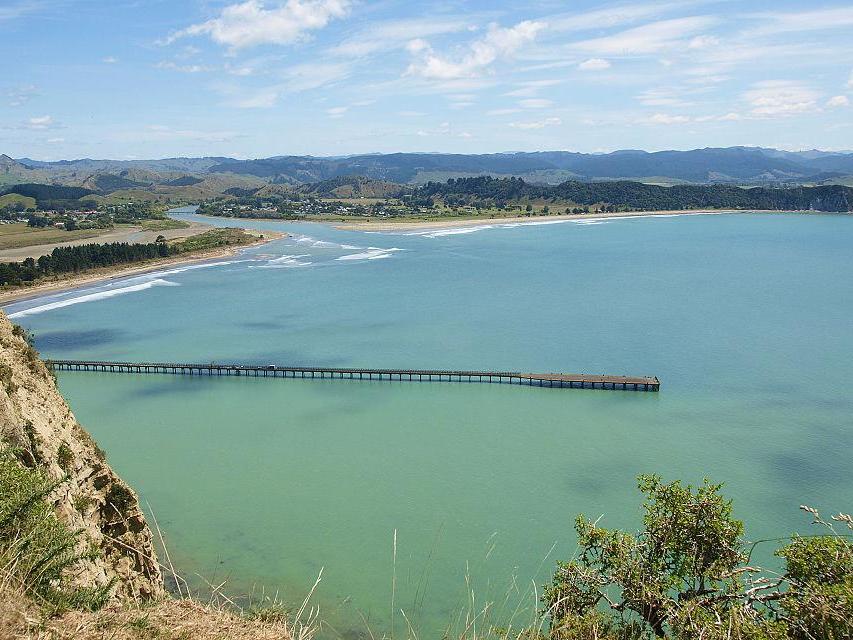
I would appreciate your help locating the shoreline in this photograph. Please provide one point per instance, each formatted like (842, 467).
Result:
(133, 269)
(408, 224)
(452, 223)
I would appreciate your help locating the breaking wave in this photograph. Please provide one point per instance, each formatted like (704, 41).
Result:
(92, 297)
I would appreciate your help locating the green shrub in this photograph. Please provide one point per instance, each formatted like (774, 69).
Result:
(64, 457)
(685, 575)
(120, 497)
(29, 453)
(82, 503)
(6, 379)
(36, 550)
(819, 603)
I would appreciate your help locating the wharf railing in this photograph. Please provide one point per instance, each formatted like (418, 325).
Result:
(555, 380)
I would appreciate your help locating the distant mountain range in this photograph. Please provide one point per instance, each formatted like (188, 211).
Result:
(206, 177)
(730, 165)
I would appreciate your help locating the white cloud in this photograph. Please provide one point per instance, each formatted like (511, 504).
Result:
(838, 101)
(417, 45)
(411, 114)
(394, 34)
(55, 140)
(726, 117)
(303, 77)
(535, 103)
(498, 43)
(545, 66)
(662, 97)
(850, 80)
(658, 98)
(537, 124)
(189, 51)
(295, 79)
(18, 9)
(594, 64)
(21, 95)
(531, 88)
(502, 112)
(775, 98)
(703, 42)
(337, 112)
(665, 118)
(40, 122)
(250, 23)
(242, 71)
(647, 39)
(444, 129)
(109, 60)
(183, 68)
(262, 99)
(610, 17)
(817, 20)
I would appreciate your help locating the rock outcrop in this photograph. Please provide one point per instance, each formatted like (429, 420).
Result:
(37, 423)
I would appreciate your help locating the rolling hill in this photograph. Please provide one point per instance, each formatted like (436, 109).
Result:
(186, 179)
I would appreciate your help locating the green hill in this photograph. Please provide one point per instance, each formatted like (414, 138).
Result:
(15, 198)
(638, 196)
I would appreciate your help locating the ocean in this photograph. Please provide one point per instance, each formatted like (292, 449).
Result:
(745, 318)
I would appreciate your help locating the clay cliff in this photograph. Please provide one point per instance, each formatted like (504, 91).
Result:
(36, 422)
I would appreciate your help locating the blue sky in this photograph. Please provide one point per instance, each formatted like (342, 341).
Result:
(157, 78)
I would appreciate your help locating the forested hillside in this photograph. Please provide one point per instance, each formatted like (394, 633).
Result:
(638, 196)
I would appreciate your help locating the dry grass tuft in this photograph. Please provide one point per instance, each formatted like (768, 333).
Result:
(169, 619)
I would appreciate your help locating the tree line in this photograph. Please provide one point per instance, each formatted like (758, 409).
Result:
(74, 259)
(638, 196)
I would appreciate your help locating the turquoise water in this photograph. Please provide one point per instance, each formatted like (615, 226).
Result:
(745, 318)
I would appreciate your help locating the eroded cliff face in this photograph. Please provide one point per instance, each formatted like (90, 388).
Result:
(36, 422)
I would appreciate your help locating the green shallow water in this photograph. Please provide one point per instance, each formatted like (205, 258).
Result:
(745, 318)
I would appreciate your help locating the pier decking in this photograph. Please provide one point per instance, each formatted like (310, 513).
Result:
(556, 380)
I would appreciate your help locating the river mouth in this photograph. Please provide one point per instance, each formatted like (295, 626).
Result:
(264, 482)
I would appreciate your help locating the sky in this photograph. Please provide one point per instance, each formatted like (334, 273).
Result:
(130, 79)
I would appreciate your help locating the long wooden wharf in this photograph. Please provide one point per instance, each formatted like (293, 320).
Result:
(557, 380)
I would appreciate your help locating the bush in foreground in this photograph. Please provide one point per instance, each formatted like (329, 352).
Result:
(686, 575)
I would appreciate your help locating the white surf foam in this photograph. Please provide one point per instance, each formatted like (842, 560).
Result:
(372, 253)
(539, 223)
(193, 267)
(455, 231)
(153, 275)
(458, 231)
(285, 259)
(283, 262)
(93, 297)
(323, 244)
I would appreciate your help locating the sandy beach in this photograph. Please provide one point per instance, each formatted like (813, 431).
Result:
(448, 223)
(123, 271)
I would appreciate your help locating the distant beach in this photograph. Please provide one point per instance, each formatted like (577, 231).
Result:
(122, 271)
(446, 223)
